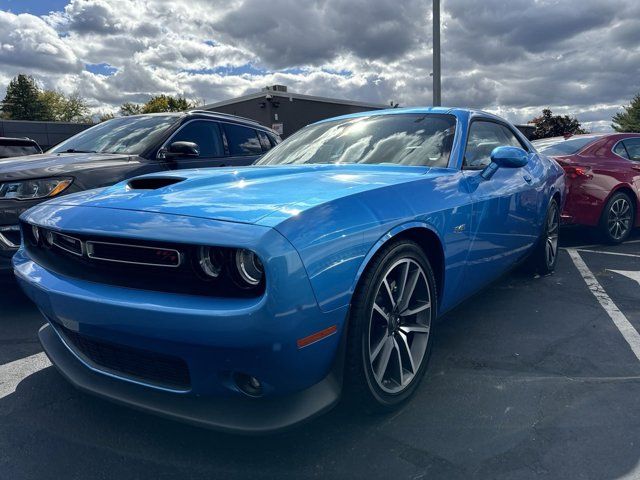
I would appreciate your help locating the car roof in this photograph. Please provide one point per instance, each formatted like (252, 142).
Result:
(207, 114)
(552, 140)
(457, 111)
(17, 141)
(547, 142)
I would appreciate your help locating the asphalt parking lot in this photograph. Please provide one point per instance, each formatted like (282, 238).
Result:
(533, 377)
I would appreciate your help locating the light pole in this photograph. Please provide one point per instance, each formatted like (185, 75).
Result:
(437, 100)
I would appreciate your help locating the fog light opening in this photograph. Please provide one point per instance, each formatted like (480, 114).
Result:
(248, 384)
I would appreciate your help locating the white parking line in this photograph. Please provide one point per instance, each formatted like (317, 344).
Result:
(578, 247)
(629, 333)
(11, 374)
(605, 253)
(633, 275)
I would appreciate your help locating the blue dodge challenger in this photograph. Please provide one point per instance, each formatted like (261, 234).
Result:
(247, 299)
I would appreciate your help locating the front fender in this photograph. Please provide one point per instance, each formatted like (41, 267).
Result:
(384, 240)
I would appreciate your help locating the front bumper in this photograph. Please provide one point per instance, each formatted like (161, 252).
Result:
(241, 415)
(215, 337)
(10, 211)
(9, 244)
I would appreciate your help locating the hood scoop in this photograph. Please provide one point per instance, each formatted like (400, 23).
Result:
(152, 183)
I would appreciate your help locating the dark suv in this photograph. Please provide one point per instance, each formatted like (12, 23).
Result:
(121, 148)
(18, 147)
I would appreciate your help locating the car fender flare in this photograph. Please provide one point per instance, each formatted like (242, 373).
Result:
(384, 239)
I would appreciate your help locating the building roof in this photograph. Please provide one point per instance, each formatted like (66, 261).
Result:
(297, 96)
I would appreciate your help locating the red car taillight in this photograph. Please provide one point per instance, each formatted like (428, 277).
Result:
(573, 171)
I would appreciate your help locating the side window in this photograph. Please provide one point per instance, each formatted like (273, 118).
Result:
(620, 150)
(633, 148)
(205, 134)
(264, 141)
(242, 140)
(275, 139)
(483, 138)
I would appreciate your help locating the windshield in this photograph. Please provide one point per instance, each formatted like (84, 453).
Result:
(17, 150)
(401, 139)
(128, 135)
(560, 146)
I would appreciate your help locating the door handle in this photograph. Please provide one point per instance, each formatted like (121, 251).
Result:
(636, 167)
(527, 178)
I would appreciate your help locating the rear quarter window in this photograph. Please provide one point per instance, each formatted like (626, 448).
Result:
(242, 140)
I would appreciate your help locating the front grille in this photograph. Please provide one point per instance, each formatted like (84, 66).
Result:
(131, 263)
(142, 365)
(133, 254)
(66, 243)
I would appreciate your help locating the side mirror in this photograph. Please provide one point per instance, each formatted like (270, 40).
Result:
(509, 157)
(505, 157)
(182, 149)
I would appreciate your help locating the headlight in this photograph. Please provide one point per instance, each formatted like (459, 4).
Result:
(249, 267)
(35, 231)
(220, 264)
(209, 262)
(32, 189)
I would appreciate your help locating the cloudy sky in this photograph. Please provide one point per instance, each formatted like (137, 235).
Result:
(512, 57)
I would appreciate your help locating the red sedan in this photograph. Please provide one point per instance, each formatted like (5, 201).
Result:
(603, 181)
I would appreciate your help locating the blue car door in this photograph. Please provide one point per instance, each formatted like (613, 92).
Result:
(505, 219)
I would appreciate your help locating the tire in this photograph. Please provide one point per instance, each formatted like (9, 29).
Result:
(378, 332)
(544, 258)
(618, 218)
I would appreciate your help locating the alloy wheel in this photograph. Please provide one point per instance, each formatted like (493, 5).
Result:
(619, 221)
(551, 245)
(399, 325)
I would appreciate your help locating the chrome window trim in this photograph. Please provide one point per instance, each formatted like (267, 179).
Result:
(82, 249)
(625, 149)
(89, 249)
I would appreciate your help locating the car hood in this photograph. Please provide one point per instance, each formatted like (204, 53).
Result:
(54, 164)
(244, 195)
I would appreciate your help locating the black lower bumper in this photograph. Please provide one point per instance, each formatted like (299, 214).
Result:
(237, 415)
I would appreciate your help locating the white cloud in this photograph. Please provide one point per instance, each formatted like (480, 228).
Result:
(513, 57)
(28, 43)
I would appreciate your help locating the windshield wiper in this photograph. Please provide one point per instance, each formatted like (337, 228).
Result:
(73, 150)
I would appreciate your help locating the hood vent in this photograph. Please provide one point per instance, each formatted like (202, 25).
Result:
(152, 183)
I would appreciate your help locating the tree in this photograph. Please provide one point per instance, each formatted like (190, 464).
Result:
(166, 103)
(26, 101)
(104, 116)
(549, 125)
(157, 104)
(22, 101)
(51, 102)
(74, 109)
(629, 119)
(129, 108)
(56, 106)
